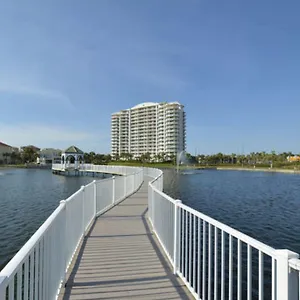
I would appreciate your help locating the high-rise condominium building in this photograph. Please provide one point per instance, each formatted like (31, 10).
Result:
(153, 128)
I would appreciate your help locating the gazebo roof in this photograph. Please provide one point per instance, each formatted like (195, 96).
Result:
(73, 149)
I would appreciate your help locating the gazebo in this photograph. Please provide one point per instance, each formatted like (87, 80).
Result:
(72, 157)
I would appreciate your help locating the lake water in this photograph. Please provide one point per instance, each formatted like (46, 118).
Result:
(264, 205)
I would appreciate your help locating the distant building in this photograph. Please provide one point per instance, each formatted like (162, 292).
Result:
(153, 128)
(49, 156)
(295, 158)
(5, 152)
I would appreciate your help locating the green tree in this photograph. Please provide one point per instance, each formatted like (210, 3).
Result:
(29, 155)
(146, 157)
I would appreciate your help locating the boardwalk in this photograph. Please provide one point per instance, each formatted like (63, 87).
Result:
(120, 259)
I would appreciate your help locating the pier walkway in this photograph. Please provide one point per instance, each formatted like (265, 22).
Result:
(120, 258)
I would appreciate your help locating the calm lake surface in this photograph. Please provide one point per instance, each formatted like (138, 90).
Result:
(263, 205)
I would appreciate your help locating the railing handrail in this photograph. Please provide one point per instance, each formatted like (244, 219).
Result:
(295, 263)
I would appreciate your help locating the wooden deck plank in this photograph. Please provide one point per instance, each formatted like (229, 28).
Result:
(120, 258)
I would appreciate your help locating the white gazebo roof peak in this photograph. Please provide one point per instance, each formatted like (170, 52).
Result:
(73, 150)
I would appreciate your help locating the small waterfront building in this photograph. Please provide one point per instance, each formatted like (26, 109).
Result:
(6, 152)
(72, 158)
(47, 156)
(295, 158)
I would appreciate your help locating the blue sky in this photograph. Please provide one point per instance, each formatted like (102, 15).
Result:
(65, 66)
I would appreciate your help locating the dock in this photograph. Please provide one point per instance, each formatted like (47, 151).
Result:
(120, 258)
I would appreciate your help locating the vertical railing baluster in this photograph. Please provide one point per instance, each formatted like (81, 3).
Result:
(26, 271)
(41, 268)
(11, 289)
(186, 244)
(230, 268)
(95, 198)
(298, 287)
(216, 265)
(125, 188)
(113, 190)
(274, 280)
(177, 235)
(83, 204)
(249, 272)
(194, 252)
(45, 266)
(209, 261)
(182, 241)
(19, 282)
(190, 249)
(199, 256)
(223, 265)
(204, 260)
(260, 276)
(36, 274)
(239, 270)
(31, 275)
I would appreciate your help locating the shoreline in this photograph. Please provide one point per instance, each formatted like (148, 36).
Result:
(12, 167)
(276, 170)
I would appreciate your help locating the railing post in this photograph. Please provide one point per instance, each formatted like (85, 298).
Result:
(83, 223)
(113, 190)
(95, 198)
(125, 188)
(177, 232)
(153, 208)
(286, 277)
(65, 242)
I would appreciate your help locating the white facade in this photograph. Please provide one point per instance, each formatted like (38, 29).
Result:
(153, 128)
(48, 156)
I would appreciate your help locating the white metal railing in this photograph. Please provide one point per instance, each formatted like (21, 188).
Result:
(214, 260)
(38, 270)
(120, 170)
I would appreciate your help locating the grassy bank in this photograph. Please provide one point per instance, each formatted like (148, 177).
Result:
(155, 165)
(139, 164)
(12, 166)
(260, 169)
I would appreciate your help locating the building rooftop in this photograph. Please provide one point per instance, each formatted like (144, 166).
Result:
(145, 104)
(142, 105)
(5, 145)
(73, 149)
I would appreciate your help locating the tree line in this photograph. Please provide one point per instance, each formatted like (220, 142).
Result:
(28, 155)
(253, 158)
